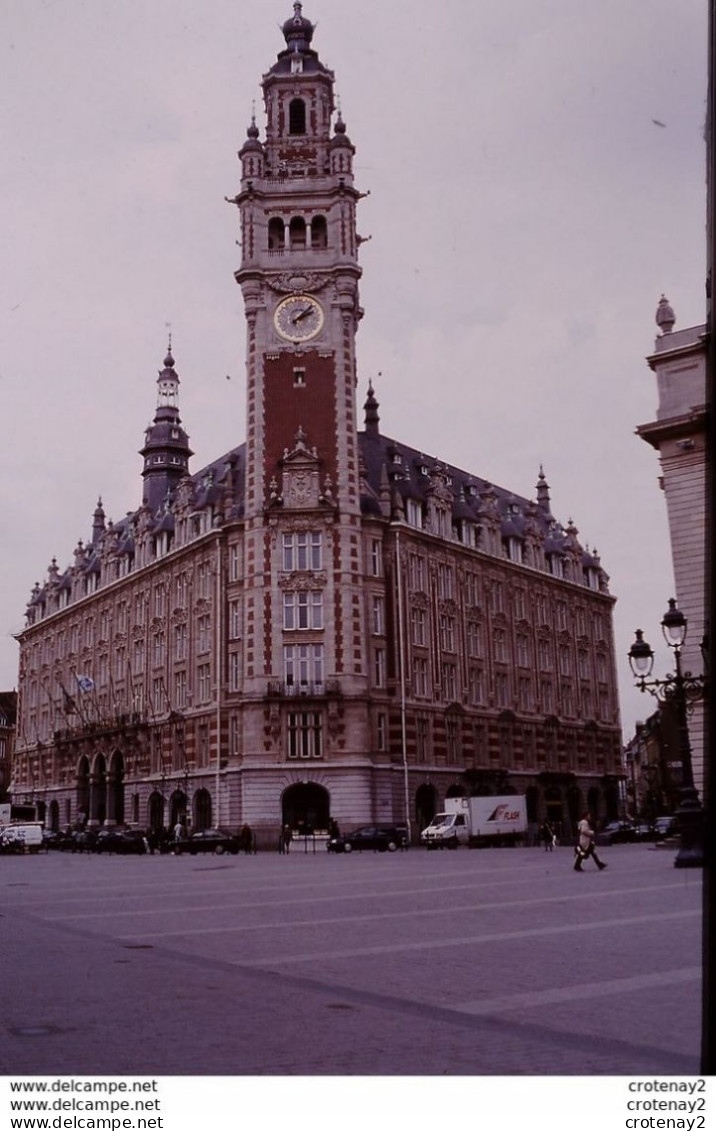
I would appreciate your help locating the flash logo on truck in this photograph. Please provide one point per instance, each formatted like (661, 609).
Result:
(503, 813)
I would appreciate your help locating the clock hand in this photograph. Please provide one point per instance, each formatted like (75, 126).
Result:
(304, 313)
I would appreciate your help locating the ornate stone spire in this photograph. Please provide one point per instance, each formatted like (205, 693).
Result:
(665, 317)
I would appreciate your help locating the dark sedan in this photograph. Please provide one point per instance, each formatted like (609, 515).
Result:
(208, 840)
(126, 842)
(377, 838)
(618, 832)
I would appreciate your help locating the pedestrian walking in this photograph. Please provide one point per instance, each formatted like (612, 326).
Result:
(585, 846)
(246, 839)
(286, 838)
(547, 835)
(333, 830)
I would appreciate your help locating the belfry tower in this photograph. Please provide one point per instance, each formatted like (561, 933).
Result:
(299, 273)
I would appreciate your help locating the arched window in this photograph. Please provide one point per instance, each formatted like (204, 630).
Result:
(297, 232)
(319, 232)
(276, 234)
(202, 810)
(297, 116)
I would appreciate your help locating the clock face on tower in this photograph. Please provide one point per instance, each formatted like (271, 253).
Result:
(298, 318)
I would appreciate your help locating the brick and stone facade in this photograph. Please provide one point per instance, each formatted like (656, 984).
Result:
(324, 622)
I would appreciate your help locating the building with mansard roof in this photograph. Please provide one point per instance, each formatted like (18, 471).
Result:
(323, 623)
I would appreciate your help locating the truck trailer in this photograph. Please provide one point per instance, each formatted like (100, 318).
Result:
(477, 822)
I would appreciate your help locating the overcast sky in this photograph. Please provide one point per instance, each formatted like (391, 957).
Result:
(537, 179)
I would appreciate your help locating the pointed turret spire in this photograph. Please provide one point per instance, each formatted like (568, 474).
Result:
(98, 525)
(371, 406)
(543, 499)
(166, 448)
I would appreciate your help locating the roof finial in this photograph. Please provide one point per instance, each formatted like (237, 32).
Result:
(665, 317)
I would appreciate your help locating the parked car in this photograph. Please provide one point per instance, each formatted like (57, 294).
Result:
(378, 838)
(84, 840)
(208, 840)
(618, 832)
(58, 840)
(126, 842)
(666, 826)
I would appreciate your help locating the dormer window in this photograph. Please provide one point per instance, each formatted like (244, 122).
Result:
(297, 116)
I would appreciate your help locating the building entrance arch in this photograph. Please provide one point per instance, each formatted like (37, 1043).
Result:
(98, 791)
(115, 790)
(55, 816)
(202, 810)
(426, 805)
(156, 812)
(83, 790)
(177, 808)
(554, 810)
(306, 808)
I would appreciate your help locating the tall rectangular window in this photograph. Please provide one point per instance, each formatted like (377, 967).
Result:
(303, 666)
(378, 616)
(234, 620)
(446, 587)
(234, 671)
(382, 728)
(418, 574)
(376, 557)
(204, 682)
(234, 570)
(159, 649)
(447, 633)
(180, 690)
(379, 667)
(303, 609)
(180, 637)
(449, 672)
(418, 620)
(181, 590)
(473, 637)
(233, 735)
(414, 513)
(203, 630)
(420, 676)
(302, 550)
(305, 737)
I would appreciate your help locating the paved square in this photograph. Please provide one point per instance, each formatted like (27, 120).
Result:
(470, 962)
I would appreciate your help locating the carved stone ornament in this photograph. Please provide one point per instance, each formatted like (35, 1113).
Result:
(178, 617)
(302, 582)
(291, 283)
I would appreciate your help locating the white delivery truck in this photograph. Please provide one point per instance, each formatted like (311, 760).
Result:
(477, 822)
(21, 836)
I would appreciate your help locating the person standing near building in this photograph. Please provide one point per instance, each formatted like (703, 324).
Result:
(585, 846)
(547, 834)
(286, 838)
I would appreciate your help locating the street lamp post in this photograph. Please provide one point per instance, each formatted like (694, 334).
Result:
(681, 689)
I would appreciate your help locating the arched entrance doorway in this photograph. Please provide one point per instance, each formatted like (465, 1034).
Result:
(554, 811)
(98, 791)
(156, 812)
(115, 790)
(426, 805)
(83, 790)
(55, 816)
(306, 808)
(202, 810)
(177, 808)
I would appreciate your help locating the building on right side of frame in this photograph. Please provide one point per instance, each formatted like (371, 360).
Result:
(679, 436)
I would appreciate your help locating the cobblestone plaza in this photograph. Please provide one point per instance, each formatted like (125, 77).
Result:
(477, 962)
